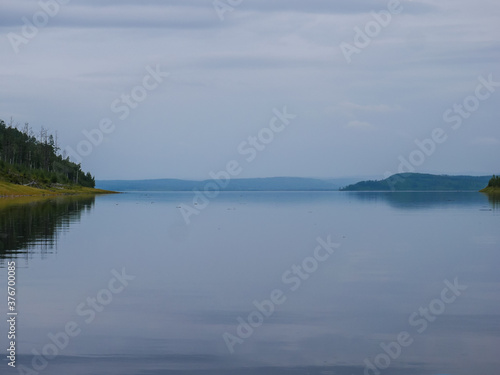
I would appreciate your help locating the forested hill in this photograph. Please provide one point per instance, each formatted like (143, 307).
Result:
(493, 185)
(29, 159)
(422, 182)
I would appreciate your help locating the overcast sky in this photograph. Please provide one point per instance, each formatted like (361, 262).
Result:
(231, 69)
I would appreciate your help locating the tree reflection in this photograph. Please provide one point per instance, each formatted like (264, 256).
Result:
(30, 226)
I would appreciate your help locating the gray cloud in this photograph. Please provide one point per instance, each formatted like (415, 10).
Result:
(183, 14)
(227, 76)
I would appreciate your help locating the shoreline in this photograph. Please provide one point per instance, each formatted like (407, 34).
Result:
(490, 190)
(9, 191)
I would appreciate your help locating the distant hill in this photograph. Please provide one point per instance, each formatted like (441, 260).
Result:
(422, 182)
(243, 184)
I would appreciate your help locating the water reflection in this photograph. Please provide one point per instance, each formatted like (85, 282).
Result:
(424, 200)
(31, 226)
(396, 251)
(494, 200)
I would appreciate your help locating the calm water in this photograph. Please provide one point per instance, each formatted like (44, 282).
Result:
(386, 273)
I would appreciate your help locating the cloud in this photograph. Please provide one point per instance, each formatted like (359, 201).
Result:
(359, 125)
(77, 14)
(485, 141)
(228, 76)
(380, 108)
(350, 109)
(181, 14)
(331, 7)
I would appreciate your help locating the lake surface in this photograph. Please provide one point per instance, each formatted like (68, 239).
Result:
(322, 282)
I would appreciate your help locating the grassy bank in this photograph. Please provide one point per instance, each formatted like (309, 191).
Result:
(491, 190)
(8, 189)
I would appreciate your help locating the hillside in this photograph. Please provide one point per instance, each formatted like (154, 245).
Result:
(421, 182)
(493, 186)
(26, 159)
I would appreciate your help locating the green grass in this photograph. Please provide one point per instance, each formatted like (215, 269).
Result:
(491, 190)
(8, 189)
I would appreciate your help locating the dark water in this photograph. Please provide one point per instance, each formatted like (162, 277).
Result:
(141, 292)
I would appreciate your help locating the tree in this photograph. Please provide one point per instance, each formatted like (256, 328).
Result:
(25, 158)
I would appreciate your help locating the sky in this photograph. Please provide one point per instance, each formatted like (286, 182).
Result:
(174, 89)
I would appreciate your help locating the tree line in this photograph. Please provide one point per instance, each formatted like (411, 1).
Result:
(494, 181)
(31, 158)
